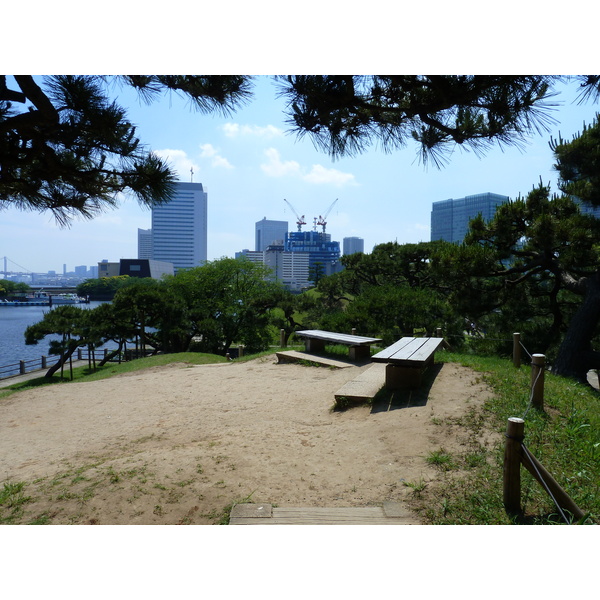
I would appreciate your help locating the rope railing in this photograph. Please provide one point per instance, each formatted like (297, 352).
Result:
(517, 454)
(543, 482)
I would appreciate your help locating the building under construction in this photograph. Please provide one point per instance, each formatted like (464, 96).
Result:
(323, 254)
(296, 258)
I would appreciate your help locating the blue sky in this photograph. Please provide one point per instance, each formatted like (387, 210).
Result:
(249, 164)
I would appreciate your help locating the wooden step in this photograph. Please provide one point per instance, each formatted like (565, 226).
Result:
(365, 386)
(390, 513)
(295, 356)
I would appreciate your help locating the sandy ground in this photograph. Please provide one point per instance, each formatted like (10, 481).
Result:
(177, 444)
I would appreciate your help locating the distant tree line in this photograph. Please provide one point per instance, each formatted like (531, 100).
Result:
(10, 289)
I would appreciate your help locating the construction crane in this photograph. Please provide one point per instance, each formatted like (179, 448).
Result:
(322, 220)
(299, 220)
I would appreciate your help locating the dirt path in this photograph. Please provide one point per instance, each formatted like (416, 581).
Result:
(177, 444)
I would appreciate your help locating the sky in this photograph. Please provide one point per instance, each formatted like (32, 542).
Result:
(249, 162)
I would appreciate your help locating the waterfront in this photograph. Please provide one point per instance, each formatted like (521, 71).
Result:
(13, 323)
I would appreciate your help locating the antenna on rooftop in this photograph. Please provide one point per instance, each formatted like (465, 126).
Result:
(192, 174)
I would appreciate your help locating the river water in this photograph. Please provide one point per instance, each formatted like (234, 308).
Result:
(14, 320)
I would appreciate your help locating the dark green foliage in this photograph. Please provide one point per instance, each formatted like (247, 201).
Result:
(68, 322)
(391, 264)
(533, 269)
(103, 288)
(344, 115)
(11, 288)
(578, 164)
(227, 301)
(389, 293)
(222, 303)
(67, 148)
(391, 312)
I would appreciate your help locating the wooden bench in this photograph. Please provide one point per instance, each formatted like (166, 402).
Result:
(407, 360)
(315, 340)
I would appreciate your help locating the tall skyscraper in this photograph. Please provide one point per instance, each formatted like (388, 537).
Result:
(144, 243)
(268, 232)
(450, 218)
(179, 228)
(352, 245)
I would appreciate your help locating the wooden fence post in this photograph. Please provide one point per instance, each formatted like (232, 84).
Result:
(22, 367)
(240, 351)
(44, 362)
(538, 362)
(282, 338)
(517, 350)
(512, 465)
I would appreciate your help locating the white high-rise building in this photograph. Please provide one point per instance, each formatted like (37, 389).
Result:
(179, 228)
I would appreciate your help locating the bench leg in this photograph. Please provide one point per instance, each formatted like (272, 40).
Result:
(314, 346)
(359, 352)
(402, 378)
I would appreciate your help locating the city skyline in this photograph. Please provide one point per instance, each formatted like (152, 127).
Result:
(249, 167)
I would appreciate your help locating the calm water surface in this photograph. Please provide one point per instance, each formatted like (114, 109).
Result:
(13, 322)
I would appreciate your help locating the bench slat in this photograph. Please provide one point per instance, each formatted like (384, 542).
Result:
(390, 350)
(338, 338)
(409, 351)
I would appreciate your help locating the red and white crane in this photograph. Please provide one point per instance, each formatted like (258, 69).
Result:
(322, 220)
(299, 220)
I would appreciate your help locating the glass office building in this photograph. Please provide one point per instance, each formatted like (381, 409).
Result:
(268, 232)
(450, 218)
(352, 245)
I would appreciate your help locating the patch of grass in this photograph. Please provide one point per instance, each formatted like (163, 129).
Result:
(441, 459)
(564, 437)
(222, 517)
(12, 501)
(416, 487)
(341, 403)
(69, 492)
(43, 519)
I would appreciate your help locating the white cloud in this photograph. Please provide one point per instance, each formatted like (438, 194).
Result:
(278, 168)
(235, 129)
(319, 174)
(180, 162)
(209, 151)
